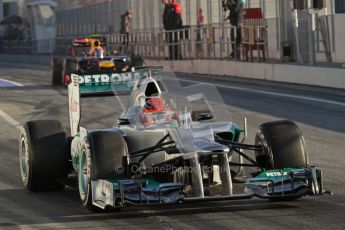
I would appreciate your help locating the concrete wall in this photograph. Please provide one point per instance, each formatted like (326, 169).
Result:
(339, 55)
(274, 41)
(297, 74)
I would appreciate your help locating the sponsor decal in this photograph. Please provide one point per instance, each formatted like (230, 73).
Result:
(74, 105)
(279, 174)
(275, 174)
(75, 80)
(114, 78)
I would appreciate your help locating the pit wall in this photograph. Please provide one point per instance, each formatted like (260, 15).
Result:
(289, 73)
(297, 74)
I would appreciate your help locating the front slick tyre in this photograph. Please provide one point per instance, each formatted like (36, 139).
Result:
(84, 181)
(285, 148)
(103, 152)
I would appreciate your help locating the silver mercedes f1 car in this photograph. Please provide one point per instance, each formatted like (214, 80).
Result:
(171, 144)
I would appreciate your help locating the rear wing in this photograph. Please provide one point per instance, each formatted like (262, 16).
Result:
(108, 83)
(101, 85)
(88, 41)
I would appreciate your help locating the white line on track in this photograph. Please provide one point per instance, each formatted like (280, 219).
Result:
(11, 82)
(306, 98)
(10, 120)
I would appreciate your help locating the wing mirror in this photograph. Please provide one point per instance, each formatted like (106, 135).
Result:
(123, 121)
(202, 115)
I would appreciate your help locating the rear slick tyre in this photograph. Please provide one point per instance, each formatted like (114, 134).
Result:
(57, 71)
(42, 155)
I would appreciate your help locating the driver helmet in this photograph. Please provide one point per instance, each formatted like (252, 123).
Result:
(98, 50)
(154, 105)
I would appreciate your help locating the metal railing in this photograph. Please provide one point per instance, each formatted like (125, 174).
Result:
(214, 41)
(197, 42)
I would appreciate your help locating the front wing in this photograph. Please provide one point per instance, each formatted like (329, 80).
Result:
(271, 184)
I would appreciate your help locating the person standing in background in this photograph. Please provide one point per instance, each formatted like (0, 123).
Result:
(175, 18)
(200, 21)
(125, 28)
(167, 6)
(166, 12)
(172, 20)
(201, 17)
(236, 18)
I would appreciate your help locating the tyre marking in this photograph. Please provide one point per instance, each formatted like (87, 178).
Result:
(10, 120)
(84, 196)
(24, 158)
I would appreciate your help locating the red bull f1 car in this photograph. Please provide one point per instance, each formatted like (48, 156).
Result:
(83, 60)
